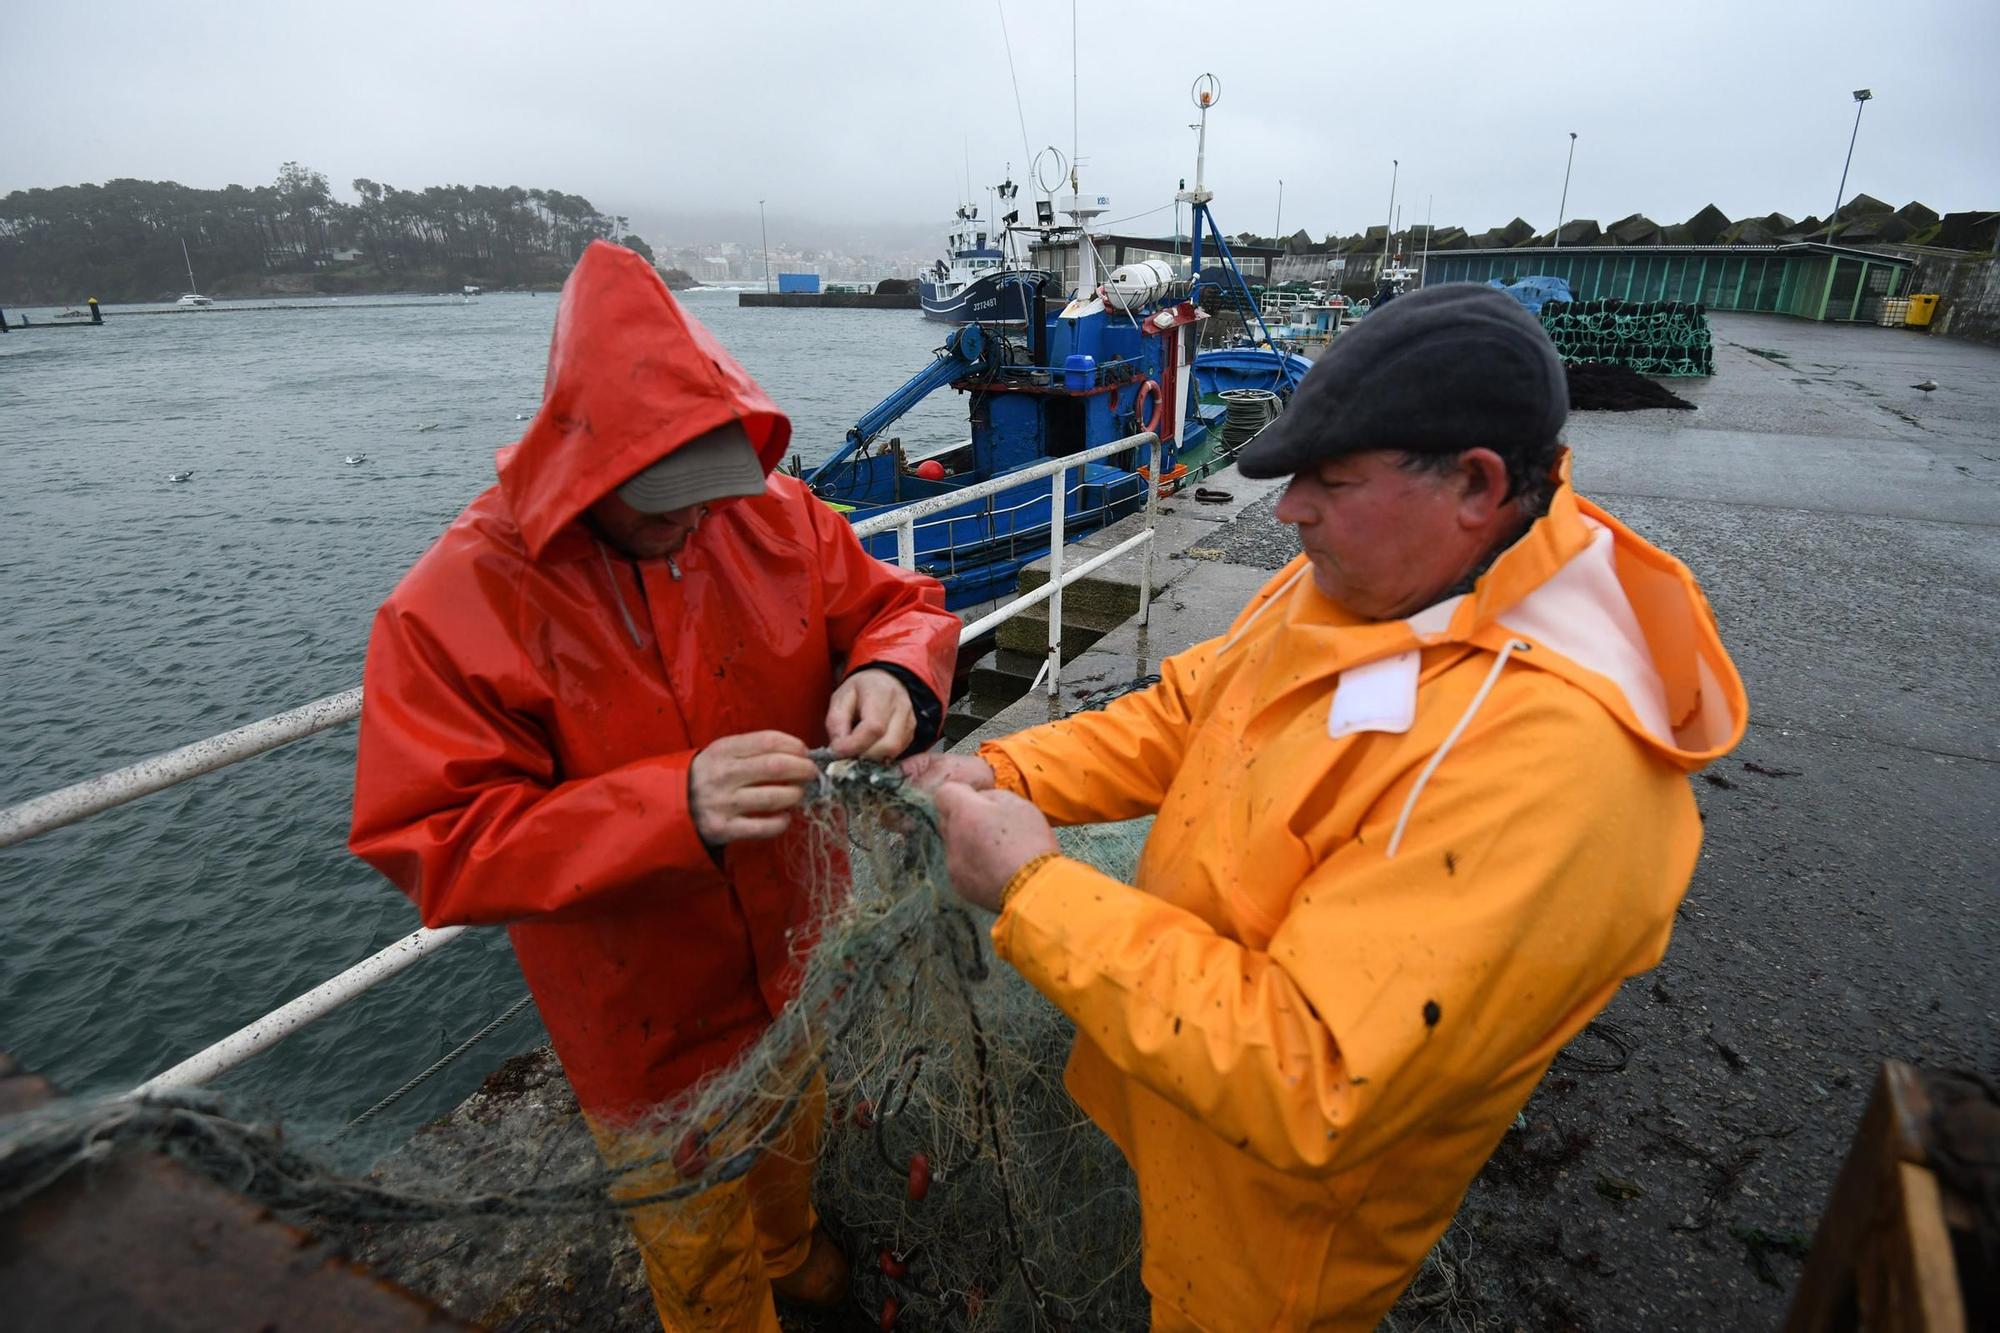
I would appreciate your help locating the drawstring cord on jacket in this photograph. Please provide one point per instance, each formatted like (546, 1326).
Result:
(1511, 647)
(618, 594)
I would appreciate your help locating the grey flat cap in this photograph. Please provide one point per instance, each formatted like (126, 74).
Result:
(717, 466)
(1438, 370)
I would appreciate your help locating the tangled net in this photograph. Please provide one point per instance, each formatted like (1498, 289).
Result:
(964, 1183)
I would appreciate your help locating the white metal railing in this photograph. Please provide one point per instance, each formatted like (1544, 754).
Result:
(905, 522)
(54, 810)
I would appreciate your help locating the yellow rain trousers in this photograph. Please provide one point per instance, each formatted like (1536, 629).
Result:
(1396, 866)
(710, 1263)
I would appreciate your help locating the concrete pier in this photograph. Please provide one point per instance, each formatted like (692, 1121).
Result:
(831, 300)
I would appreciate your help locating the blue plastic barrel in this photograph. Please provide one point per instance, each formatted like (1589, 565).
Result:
(1079, 369)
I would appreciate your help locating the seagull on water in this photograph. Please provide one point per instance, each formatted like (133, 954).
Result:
(433, 426)
(1926, 386)
(520, 416)
(355, 460)
(180, 476)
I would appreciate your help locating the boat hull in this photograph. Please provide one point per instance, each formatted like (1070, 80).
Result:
(977, 550)
(1222, 368)
(1000, 298)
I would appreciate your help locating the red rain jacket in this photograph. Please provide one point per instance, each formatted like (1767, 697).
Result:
(534, 700)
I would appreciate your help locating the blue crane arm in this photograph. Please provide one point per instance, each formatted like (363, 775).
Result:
(966, 352)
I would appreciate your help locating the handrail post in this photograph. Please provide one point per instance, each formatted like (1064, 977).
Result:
(1154, 454)
(1058, 499)
(906, 543)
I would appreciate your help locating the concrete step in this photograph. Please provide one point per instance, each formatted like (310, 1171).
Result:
(999, 678)
(957, 726)
(1104, 600)
(1029, 633)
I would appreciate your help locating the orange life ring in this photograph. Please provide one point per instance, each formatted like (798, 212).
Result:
(1152, 423)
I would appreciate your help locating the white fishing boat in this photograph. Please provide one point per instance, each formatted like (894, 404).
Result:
(192, 296)
(980, 280)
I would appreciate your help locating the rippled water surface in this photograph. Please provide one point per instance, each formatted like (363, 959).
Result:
(141, 614)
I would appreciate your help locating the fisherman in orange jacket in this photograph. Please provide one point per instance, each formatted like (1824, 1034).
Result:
(587, 714)
(1418, 814)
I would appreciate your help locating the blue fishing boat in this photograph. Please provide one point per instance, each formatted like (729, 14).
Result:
(1119, 358)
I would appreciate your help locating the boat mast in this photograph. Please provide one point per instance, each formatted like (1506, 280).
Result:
(1207, 90)
(1395, 166)
(1424, 267)
(190, 266)
(1086, 254)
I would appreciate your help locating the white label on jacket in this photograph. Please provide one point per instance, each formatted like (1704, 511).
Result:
(1379, 696)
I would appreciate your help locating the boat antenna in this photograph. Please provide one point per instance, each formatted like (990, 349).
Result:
(1075, 133)
(1019, 112)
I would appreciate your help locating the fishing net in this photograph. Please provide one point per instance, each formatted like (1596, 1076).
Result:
(964, 1183)
(1603, 386)
(1669, 338)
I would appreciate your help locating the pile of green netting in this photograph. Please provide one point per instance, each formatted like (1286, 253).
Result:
(1651, 337)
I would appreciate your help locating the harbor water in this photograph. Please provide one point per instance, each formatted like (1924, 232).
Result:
(141, 614)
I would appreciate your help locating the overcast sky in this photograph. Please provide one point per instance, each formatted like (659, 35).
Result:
(865, 113)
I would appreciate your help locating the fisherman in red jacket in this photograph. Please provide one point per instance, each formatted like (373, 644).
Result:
(588, 710)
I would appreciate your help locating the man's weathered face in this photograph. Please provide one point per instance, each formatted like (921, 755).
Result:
(1386, 541)
(645, 536)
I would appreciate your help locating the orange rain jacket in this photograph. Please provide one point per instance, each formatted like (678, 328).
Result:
(534, 700)
(1395, 867)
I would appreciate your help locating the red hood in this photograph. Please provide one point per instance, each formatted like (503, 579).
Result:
(632, 377)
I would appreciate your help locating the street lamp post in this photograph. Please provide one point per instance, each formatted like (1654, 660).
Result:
(1861, 96)
(765, 232)
(1562, 208)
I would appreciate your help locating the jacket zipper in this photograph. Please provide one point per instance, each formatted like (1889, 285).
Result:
(618, 596)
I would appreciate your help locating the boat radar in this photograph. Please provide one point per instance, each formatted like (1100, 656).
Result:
(1083, 207)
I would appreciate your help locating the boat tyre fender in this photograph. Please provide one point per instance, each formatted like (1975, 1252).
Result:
(1150, 422)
